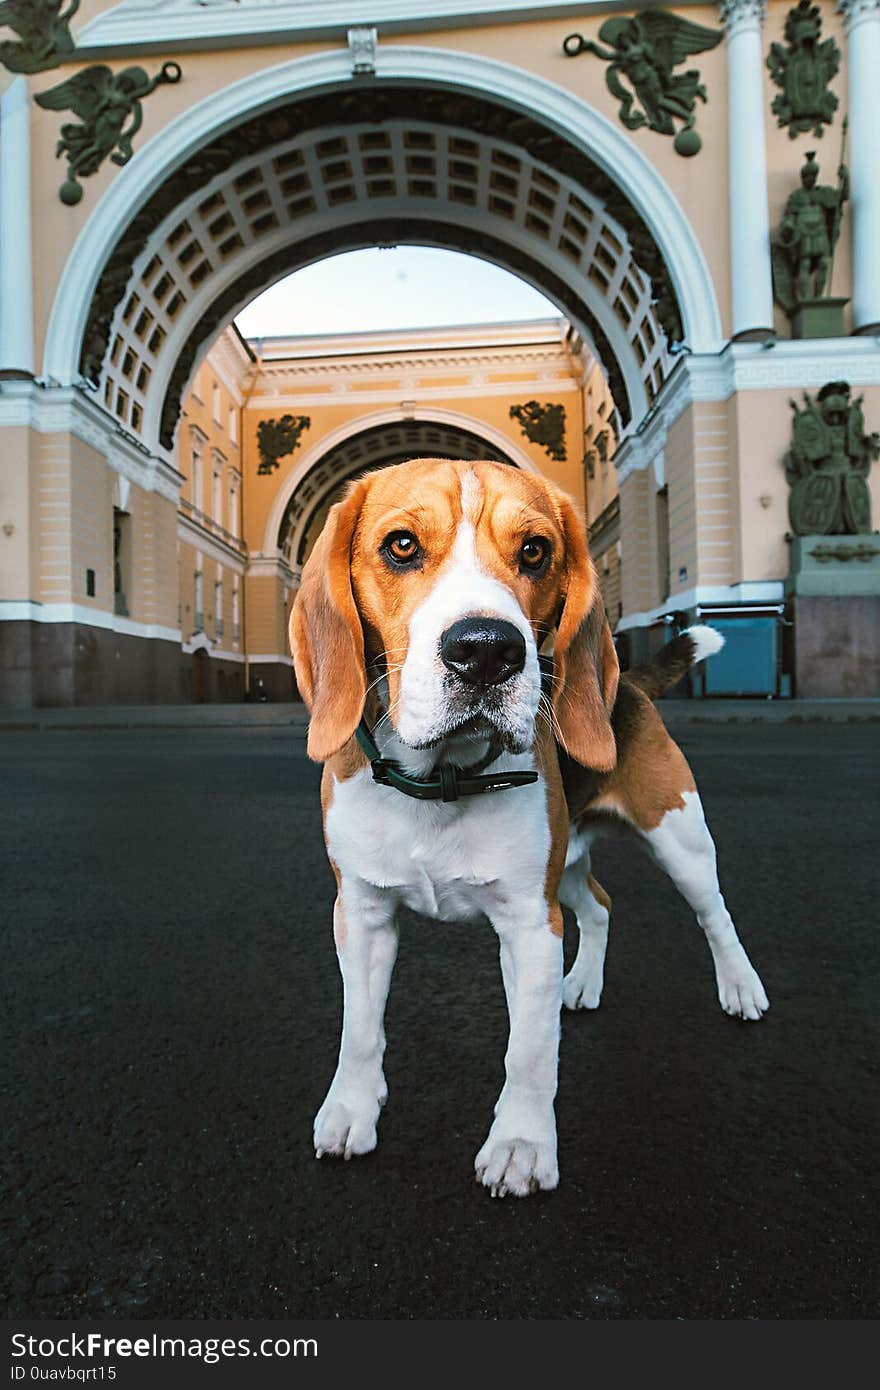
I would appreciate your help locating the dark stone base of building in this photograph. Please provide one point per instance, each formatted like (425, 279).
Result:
(50, 664)
(836, 647)
(44, 664)
(209, 680)
(279, 682)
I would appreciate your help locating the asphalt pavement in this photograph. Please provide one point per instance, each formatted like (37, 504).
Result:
(171, 1018)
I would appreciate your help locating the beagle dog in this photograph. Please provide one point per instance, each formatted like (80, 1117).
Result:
(416, 635)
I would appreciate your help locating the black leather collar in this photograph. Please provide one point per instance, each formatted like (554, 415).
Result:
(447, 782)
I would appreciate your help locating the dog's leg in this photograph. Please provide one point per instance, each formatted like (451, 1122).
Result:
(366, 947)
(681, 844)
(519, 1155)
(582, 986)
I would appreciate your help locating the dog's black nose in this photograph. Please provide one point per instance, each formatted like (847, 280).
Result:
(483, 651)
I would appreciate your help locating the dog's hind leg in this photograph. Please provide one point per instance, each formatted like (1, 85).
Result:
(582, 986)
(682, 845)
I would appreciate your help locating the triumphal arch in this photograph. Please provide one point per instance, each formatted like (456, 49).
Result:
(162, 163)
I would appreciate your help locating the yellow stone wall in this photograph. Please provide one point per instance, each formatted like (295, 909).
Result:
(638, 540)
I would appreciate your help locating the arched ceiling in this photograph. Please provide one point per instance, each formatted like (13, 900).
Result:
(377, 447)
(375, 164)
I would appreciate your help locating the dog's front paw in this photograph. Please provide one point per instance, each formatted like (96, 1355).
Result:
(345, 1126)
(582, 989)
(517, 1167)
(740, 991)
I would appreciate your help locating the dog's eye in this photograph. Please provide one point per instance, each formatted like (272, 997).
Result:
(534, 554)
(402, 548)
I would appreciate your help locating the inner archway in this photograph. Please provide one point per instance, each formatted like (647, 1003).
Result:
(377, 447)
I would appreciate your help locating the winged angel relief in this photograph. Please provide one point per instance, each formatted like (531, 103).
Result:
(644, 49)
(108, 106)
(43, 29)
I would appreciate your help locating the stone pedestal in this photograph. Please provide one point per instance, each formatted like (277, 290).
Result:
(818, 318)
(834, 566)
(834, 601)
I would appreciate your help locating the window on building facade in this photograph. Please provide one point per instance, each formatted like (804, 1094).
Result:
(218, 490)
(121, 561)
(196, 482)
(663, 542)
(233, 424)
(218, 607)
(236, 617)
(217, 404)
(232, 525)
(198, 602)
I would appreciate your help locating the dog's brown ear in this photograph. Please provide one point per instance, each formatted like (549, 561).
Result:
(586, 669)
(326, 636)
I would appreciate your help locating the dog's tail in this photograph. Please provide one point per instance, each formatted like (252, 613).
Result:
(674, 660)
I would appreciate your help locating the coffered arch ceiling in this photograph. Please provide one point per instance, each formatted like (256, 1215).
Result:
(373, 165)
(379, 446)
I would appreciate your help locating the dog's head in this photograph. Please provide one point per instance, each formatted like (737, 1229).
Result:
(444, 579)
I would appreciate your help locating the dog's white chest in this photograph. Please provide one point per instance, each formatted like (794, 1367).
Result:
(452, 862)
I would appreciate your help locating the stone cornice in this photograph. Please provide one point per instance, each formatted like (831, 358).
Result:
(410, 392)
(793, 365)
(262, 566)
(166, 25)
(412, 360)
(206, 543)
(230, 359)
(69, 410)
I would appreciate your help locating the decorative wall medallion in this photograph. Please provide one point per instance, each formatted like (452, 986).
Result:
(644, 49)
(803, 71)
(828, 463)
(543, 425)
(278, 438)
(44, 37)
(104, 101)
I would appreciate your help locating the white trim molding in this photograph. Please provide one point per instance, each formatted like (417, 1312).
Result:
(69, 410)
(29, 611)
(793, 365)
(207, 544)
(200, 642)
(263, 659)
(745, 594)
(270, 565)
(164, 25)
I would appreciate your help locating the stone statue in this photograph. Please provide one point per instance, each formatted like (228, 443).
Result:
(803, 71)
(828, 463)
(278, 438)
(104, 101)
(44, 37)
(804, 242)
(543, 425)
(644, 49)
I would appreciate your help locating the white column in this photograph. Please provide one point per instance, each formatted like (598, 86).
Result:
(863, 61)
(749, 217)
(16, 301)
